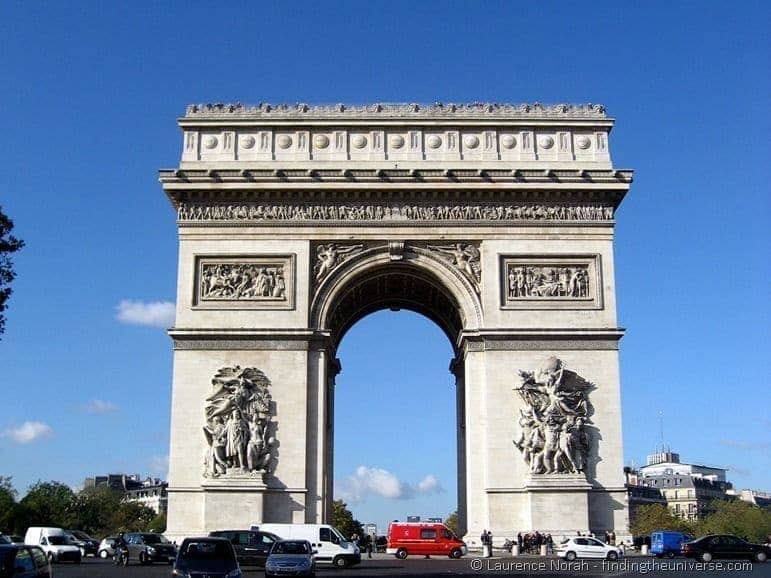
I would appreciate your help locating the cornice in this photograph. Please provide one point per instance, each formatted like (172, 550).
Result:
(411, 111)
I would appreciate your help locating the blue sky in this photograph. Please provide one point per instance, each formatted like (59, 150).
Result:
(89, 96)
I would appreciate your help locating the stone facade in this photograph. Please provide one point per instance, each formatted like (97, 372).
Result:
(495, 221)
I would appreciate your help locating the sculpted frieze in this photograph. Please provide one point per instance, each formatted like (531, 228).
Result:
(400, 212)
(238, 427)
(553, 434)
(251, 282)
(547, 281)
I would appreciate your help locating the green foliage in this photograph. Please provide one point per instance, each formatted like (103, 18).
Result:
(157, 524)
(657, 517)
(94, 509)
(736, 517)
(343, 520)
(49, 504)
(9, 509)
(132, 517)
(8, 244)
(452, 522)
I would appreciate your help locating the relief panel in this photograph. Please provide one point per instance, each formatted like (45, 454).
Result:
(551, 282)
(244, 282)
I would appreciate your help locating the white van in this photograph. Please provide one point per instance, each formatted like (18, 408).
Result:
(330, 545)
(54, 542)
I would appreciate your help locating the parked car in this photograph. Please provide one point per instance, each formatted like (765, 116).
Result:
(423, 539)
(148, 548)
(20, 561)
(206, 556)
(587, 547)
(724, 546)
(667, 544)
(252, 547)
(88, 546)
(4, 539)
(106, 547)
(291, 558)
(54, 542)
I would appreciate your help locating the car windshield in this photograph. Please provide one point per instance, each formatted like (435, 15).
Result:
(4, 539)
(154, 539)
(58, 540)
(291, 548)
(80, 535)
(218, 550)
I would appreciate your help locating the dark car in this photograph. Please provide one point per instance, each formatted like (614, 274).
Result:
(88, 546)
(724, 546)
(212, 557)
(251, 546)
(147, 548)
(20, 561)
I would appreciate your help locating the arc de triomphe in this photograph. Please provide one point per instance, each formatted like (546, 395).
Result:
(495, 221)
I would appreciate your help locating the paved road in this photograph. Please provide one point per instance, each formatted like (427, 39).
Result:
(382, 565)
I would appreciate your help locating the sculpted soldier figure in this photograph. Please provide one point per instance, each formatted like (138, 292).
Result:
(238, 425)
(553, 436)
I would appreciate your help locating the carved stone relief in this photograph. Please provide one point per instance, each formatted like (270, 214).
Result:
(551, 282)
(362, 212)
(464, 257)
(331, 255)
(238, 427)
(553, 437)
(546, 282)
(250, 282)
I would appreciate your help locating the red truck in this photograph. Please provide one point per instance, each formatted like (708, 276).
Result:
(423, 539)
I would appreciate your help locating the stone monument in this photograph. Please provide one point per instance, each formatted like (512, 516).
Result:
(493, 220)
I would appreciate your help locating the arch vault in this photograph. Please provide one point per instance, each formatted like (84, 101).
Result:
(494, 221)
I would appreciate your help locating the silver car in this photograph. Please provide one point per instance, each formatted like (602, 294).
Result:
(291, 557)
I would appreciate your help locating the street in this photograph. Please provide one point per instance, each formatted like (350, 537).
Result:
(382, 565)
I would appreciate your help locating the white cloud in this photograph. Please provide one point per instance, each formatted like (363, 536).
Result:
(368, 481)
(430, 485)
(98, 406)
(153, 313)
(29, 432)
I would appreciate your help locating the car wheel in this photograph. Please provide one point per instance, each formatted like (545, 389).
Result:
(706, 557)
(670, 554)
(401, 553)
(103, 554)
(570, 556)
(612, 555)
(456, 553)
(340, 562)
(760, 557)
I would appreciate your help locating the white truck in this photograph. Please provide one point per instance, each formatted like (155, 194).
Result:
(55, 543)
(330, 545)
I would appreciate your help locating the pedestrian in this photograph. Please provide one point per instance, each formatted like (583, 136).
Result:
(370, 545)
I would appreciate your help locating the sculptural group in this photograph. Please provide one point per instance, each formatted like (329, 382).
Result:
(237, 428)
(553, 437)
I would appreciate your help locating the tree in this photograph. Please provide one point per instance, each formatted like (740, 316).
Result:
(8, 507)
(131, 517)
(8, 245)
(94, 508)
(49, 504)
(452, 522)
(736, 517)
(157, 524)
(343, 520)
(657, 517)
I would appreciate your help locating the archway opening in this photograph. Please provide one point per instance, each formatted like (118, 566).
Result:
(398, 405)
(395, 416)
